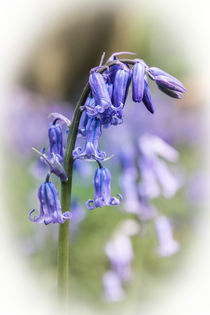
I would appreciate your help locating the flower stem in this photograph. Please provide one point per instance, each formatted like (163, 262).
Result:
(63, 241)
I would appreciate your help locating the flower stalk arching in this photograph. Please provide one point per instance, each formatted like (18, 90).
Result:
(105, 114)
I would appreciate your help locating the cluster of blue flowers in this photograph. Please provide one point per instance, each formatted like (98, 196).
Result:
(109, 86)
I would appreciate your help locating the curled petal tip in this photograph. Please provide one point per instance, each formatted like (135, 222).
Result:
(58, 116)
(35, 217)
(67, 215)
(114, 201)
(89, 206)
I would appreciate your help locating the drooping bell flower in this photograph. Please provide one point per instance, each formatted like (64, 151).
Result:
(120, 253)
(167, 245)
(113, 290)
(91, 150)
(166, 82)
(156, 176)
(99, 91)
(138, 72)
(50, 207)
(147, 100)
(55, 134)
(102, 186)
(121, 85)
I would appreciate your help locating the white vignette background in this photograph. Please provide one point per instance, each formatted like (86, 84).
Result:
(21, 24)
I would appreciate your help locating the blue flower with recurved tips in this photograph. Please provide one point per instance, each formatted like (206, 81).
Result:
(50, 207)
(102, 195)
(90, 150)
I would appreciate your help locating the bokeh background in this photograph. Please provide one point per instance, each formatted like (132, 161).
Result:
(48, 77)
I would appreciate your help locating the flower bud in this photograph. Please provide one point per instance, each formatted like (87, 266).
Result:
(121, 85)
(99, 91)
(55, 135)
(147, 96)
(138, 72)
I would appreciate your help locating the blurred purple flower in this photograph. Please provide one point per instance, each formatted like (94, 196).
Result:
(78, 215)
(83, 169)
(167, 245)
(113, 290)
(154, 171)
(30, 108)
(120, 254)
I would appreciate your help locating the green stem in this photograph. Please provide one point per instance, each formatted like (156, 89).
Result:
(63, 241)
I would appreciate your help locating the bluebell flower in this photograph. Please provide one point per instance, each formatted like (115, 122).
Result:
(154, 171)
(121, 85)
(90, 150)
(120, 253)
(55, 134)
(134, 201)
(99, 91)
(166, 82)
(138, 72)
(147, 100)
(50, 207)
(102, 195)
(167, 245)
(113, 290)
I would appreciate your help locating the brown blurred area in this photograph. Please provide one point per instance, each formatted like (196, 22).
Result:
(68, 49)
(64, 55)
